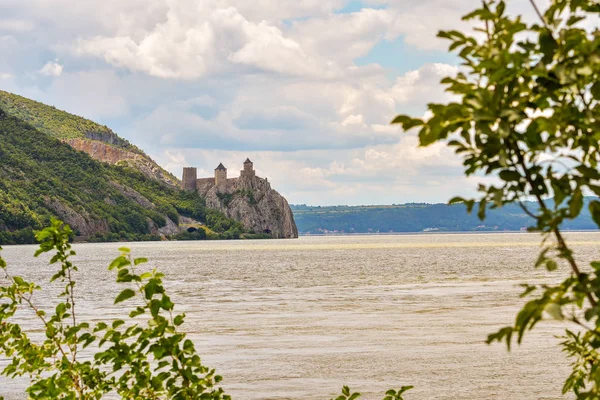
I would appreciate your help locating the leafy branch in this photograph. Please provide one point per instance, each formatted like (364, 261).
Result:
(527, 93)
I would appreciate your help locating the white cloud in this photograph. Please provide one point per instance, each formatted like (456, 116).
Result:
(402, 172)
(205, 38)
(51, 69)
(344, 37)
(5, 75)
(279, 115)
(100, 89)
(16, 25)
(197, 82)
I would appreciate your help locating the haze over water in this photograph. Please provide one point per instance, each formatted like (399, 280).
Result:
(297, 319)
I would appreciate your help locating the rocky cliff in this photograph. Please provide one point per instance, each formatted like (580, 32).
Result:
(112, 154)
(252, 201)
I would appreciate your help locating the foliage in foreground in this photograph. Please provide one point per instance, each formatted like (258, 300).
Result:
(527, 114)
(145, 356)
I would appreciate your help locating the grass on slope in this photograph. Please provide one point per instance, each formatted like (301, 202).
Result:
(57, 123)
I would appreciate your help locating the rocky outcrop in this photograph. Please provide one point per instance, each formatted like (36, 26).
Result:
(133, 195)
(108, 153)
(109, 137)
(250, 200)
(80, 220)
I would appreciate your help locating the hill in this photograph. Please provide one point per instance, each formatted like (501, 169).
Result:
(42, 176)
(98, 141)
(416, 217)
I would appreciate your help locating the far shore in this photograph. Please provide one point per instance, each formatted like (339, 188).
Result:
(301, 234)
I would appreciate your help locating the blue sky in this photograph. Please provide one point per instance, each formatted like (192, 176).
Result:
(304, 88)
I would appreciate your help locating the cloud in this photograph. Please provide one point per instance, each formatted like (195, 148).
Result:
(202, 38)
(100, 88)
(197, 82)
(6, 76)
(344, 37)
(382, 174)
(205, 38)
(294, 116)
(16, 25)
(51, 69)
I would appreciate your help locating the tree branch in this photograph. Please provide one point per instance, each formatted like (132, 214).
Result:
(562, 245)
(540, 15)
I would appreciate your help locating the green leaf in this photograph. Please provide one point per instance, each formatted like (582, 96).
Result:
(576, 203)
(405, 388)
(178, 320)
(555, 311)
(188, 346)
(509, 176)
(503, 334)
(456, 200)
(139, 261)
(551, 265)
(482, 209)
(595, 90)
(407, 122)
(117, 323)
(595, 211)
(548, 46)
(118, 263)
(124, 295)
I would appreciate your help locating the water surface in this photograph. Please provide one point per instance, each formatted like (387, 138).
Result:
(297, 319)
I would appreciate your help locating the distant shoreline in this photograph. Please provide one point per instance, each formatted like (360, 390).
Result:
(436, 233)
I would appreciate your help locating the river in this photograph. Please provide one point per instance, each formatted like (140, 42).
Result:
(297, 319)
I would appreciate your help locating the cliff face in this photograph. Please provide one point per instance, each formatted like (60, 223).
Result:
(251, 201)
(109, 153)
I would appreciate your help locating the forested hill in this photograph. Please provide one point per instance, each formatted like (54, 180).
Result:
(416, 217)
(100, 142)
(41, 177)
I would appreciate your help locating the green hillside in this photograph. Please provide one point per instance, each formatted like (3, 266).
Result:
(416, 217)
(41, 177)
(97, 140)
(57, 123)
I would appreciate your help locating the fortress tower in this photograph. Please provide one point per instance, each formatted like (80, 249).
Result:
(220, 174)
(248, 169)
(189, 178)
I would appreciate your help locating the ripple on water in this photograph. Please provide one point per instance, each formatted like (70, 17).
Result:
(297, 319)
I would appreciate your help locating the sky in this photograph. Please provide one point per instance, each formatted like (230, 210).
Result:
(304, 88)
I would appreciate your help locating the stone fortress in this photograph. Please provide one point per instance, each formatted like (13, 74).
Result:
(191, 182)
(248, 199)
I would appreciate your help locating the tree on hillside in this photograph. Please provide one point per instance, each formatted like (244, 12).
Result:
(527, 113)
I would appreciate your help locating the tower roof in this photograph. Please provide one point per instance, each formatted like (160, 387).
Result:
(247, 161)
(221, 167)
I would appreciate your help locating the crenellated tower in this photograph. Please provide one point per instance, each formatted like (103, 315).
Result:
(188, 181)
